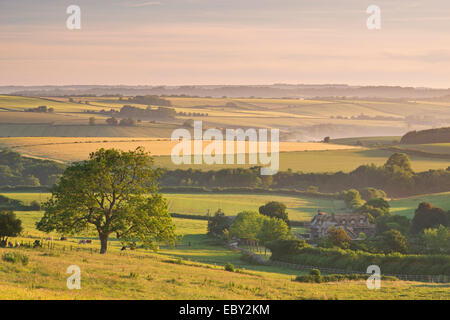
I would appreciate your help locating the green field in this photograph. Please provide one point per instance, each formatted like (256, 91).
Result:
(299, 208)
(199, 274)
(192, 270)
(144, 275)
(367, 141)
(324, 161)
(436, 148)
(406, 206)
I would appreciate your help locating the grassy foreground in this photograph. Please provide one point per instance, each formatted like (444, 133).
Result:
(192, 270)
(152, 276)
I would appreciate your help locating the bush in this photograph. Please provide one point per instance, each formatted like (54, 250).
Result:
(285, 247)
(229, 267)
(396, 263)
(315, 272)
(15, 257)
(314, 278)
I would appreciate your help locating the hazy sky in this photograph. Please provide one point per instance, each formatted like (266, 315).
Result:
(225, 42)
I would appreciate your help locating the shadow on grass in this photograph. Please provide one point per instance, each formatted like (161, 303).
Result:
(206, 250)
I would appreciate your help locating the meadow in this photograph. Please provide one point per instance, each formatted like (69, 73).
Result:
(406, 206)
(299, 208)
(145, 275)
(194, 269)
(293, 116)
(324, 161)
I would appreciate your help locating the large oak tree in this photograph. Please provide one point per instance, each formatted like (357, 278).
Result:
(117, 193)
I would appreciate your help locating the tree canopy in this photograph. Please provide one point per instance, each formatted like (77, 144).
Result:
(10, 226)
(427, 216)
(275, 209)
(115, 192)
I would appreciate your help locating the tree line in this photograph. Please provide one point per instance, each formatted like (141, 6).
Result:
(16, 170)
(395, 177)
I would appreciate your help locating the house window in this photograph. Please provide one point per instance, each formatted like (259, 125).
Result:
(352, 222)
(361, 221)
(343, 222)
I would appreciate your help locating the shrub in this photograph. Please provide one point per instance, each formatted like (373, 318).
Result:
(229, 267)
(311, 278)
(15, 257)
(359, 260)
(315, 272)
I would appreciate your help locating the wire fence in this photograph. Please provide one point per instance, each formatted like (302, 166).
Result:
(406, 277)
(51, 245)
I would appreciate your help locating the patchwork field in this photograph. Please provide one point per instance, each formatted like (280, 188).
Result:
(75, 149)
(297, 119)
(325, 161)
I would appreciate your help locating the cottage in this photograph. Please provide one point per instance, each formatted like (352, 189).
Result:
(352, 223)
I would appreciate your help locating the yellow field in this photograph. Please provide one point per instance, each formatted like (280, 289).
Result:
(75, 149)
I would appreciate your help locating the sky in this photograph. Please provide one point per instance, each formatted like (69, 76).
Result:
(180, 42)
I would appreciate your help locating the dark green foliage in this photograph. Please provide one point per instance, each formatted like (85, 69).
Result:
(127, 122)
(372, 193)
(15, 257)
(315, 272)
(359, 260)
(313, 278)
(338, 237)
(427, 136)
(427, 216)
(16, 170)
(275, 209)
(393, 178)
(285, 247)
(388, 222)
(10, 226)
(114, 191)
(149, 113)
(393, 241)
(376, 207)
(150, 100)
(229, 267)
(352, 199)
(112, 121)
(399, 162)
(218, 223)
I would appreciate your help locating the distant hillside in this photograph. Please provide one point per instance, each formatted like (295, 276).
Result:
(263, 91)
(439, 135)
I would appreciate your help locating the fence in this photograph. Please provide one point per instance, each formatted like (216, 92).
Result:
(407, 277)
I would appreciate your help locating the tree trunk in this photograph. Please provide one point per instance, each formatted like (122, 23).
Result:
(103, 243)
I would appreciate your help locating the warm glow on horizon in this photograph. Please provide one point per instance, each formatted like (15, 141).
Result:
(174, 42)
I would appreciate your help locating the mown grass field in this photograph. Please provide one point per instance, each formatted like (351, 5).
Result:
(299, 208)
(298, 156)
(324, 161)
(76, 149)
